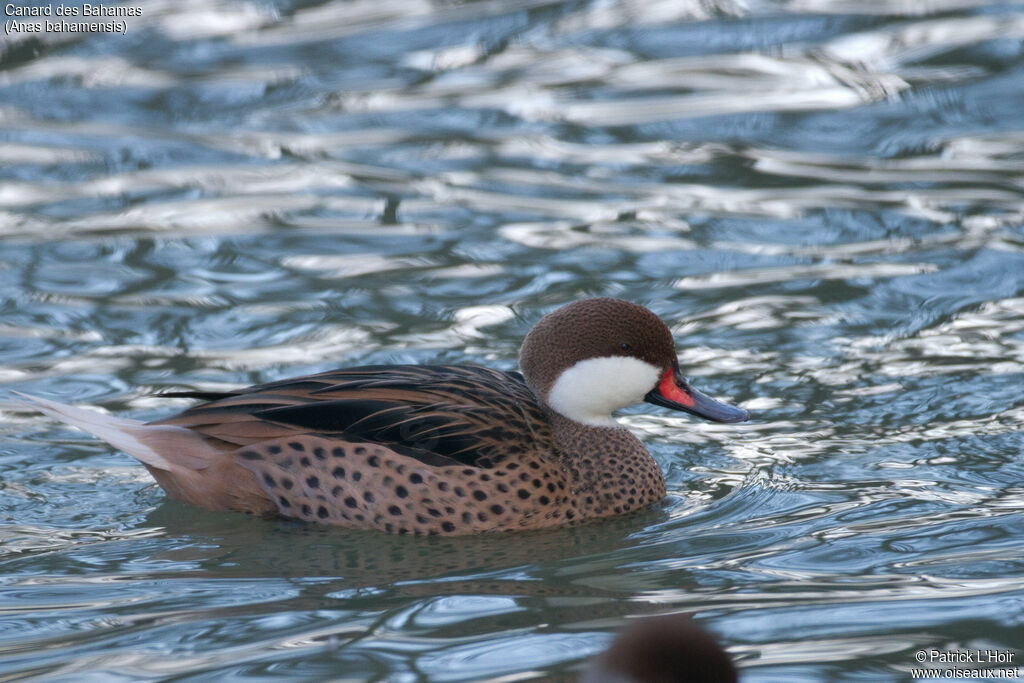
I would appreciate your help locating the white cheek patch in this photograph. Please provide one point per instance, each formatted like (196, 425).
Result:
(590, 390)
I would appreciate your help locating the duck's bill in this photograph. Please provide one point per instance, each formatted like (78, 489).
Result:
(673, 391)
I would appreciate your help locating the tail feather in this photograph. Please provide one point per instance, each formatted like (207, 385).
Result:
(187, 466)
(135, 438)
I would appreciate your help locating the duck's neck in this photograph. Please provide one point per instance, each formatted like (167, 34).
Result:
(610, 470)
(564, 425)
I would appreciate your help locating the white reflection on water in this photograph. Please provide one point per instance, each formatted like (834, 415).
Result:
(18, 539)
(789, 273)
(824, 650)
(91, 72)
(920, 40)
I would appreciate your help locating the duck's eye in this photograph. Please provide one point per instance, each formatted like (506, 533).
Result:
(624, 347)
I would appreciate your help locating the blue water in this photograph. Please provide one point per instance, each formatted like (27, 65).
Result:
(824, 200)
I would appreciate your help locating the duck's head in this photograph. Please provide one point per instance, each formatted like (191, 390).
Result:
(592, 357)
(662, 648)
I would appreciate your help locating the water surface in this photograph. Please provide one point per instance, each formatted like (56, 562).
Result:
(824, 199)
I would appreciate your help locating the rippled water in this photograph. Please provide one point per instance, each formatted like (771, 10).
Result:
(824, 199)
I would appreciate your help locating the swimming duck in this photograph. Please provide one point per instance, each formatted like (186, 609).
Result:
(437, 449)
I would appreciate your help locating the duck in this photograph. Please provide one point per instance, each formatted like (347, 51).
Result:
(431, 449)
(668, 648)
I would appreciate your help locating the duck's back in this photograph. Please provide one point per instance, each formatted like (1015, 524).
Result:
(442, 415)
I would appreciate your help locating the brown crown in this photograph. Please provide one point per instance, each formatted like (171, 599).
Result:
(592, 328)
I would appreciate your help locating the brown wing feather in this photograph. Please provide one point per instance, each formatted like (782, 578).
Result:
(448, 415)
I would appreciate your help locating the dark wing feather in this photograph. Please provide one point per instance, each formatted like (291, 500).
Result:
(441, 415)
(203, 395)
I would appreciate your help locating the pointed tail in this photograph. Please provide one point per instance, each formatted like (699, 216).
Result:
(131, 436)
(184, 464)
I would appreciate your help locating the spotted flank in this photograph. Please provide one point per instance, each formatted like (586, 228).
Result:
(368, 486)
